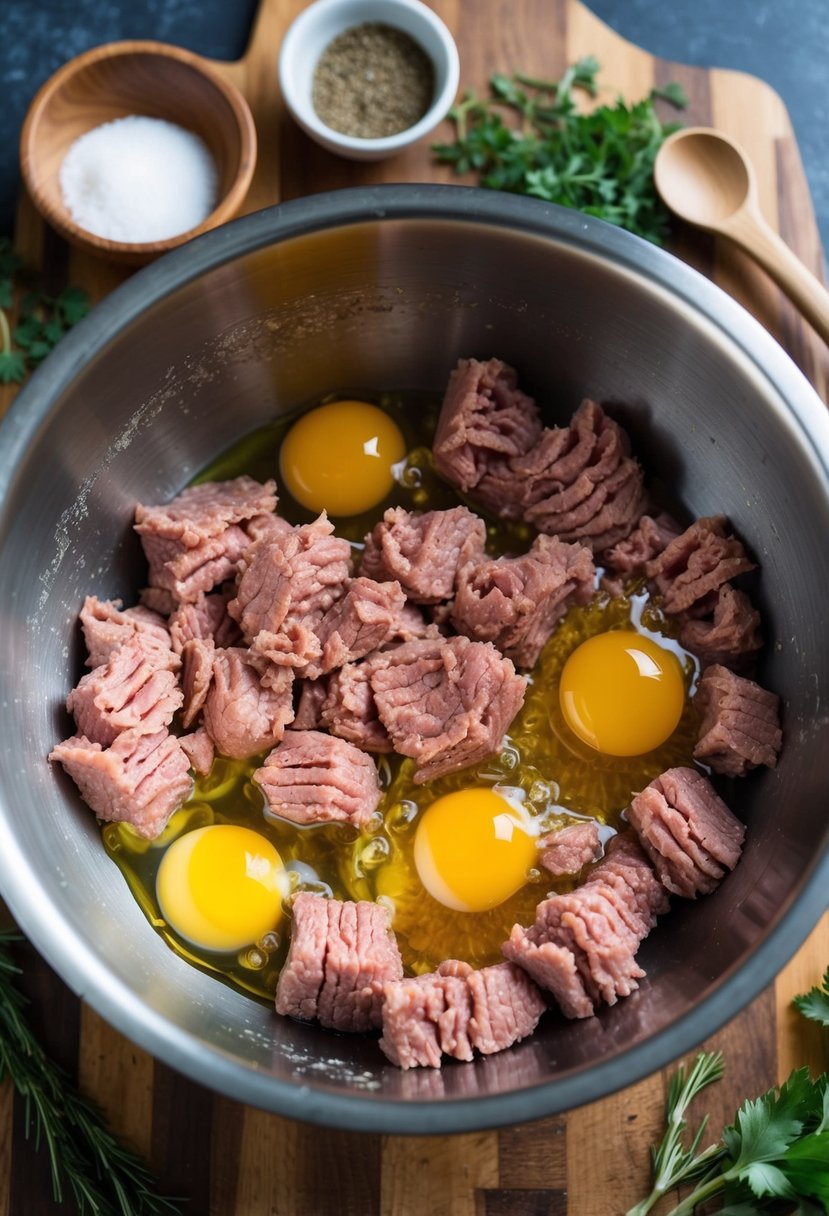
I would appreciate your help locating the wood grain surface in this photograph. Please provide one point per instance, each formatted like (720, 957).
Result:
(234, 1161)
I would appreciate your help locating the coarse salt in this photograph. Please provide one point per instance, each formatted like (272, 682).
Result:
(138, 179)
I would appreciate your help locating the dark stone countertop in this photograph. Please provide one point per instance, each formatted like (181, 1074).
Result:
(785, 44)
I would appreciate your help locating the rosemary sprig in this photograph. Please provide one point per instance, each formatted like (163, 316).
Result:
(103, 1177)
(673, 1164)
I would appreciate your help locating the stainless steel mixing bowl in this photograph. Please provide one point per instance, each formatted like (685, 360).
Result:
(385, 288)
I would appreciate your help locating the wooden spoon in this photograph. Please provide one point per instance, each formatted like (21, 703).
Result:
(705, 178)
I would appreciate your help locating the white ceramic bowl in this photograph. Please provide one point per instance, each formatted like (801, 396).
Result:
(318, 25)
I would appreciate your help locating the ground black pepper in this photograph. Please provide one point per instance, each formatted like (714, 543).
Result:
(371, 81)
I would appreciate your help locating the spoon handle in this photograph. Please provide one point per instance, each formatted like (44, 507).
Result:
(749, 230)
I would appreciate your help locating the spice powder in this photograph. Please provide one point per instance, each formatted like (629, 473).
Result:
(371, 81)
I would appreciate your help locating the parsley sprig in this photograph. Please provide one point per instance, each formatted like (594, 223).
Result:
(815, 1003)
(43, 319)
(773, 1158)
(600, 163)
(103, 1177)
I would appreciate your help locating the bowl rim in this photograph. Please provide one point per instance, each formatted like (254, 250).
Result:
(350, 145)
(75, 959)
(59, 217)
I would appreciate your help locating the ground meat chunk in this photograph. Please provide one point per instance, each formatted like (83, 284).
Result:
(128, 692)
(199, 749)
(205, 619)
(426, 1017)
(295, 645)
(484, 420)
(582, 945)
(506, 1006)
(553, 968)
(341, 956)
(457, 1010)
(195, 542)
(569, 849)
(106, 626)
(693, 567)
(516, 602)
(580, 482)
(196, 677)
(241, 715)
(640, 896)
(688, 832)
(301, 979)
(740, 726)
(272, 528)
(140, 779)
(206, 510)
(423, 551)
(588, 923)
(731, 637)
(648, 539)
(447, 703)
(187, 573)
(357, 624)
(312, 777)
(349, 710)
(296, 579)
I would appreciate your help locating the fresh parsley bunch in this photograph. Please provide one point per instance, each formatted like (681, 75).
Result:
(773, 1158)
(42, 322)
(600, 163)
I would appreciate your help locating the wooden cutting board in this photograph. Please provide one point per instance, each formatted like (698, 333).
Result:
(235, 1161)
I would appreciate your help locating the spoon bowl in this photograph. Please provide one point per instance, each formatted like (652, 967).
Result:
(703, 176)
(706, 178)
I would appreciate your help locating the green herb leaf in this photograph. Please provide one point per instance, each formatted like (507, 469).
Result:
(764, 1128)
(807, 1166)
(28, 330)
(815, 1003)
(42, 321)
(766, 1179)
(529, 138)
(72, 305)
(12, 367)
(672, 92)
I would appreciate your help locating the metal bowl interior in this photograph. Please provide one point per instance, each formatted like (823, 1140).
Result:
(386, 288)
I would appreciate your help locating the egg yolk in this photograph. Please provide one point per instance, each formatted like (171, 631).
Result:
(221, 886)
(622, 693)
(338, 458)
(472, 850)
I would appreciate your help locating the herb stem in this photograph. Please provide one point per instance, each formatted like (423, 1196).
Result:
(5, 333)
(535, 82)
(705, 1191)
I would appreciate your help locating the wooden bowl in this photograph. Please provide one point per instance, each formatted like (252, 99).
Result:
(151, 79)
